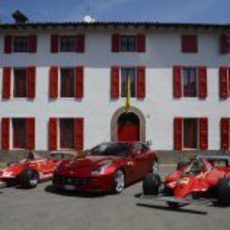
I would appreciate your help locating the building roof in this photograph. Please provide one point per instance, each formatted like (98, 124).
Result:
(105, 25)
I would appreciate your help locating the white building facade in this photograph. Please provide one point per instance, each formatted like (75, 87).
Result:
(64, 85)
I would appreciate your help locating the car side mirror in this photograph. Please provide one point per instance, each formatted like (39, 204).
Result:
(136, 153)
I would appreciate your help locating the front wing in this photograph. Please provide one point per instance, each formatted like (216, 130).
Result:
(180, 202)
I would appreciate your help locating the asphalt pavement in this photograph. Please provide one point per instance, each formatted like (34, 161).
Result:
(43, 209)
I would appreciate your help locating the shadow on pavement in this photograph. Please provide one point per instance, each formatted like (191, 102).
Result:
(179, 210)
(61, 192)
(167, 208)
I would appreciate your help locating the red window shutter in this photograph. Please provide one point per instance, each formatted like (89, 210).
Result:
(177, 81)
(224, 82)
(225, 133)
(79, 133)
(5, 133)
(79, 82)
(53, 83)
(223, 44)
(141, 82)
(189, 43)
(178, 133)
(6, 84)
(30, 133)
(31, 74)
(8, 44)
(115, 43)
(203, 133)
(53, 133)
(115, 82)
(54, 43)
(80, 47)
(202, 73)
(33, 43)
(141, 43)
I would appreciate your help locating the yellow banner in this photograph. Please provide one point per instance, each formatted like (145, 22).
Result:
(128, 94)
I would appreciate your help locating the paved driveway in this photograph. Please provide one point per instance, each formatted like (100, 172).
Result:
(40, 208)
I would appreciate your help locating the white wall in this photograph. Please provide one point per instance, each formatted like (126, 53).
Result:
(159, 107)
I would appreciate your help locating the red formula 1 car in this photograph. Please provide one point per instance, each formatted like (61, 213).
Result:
(32, 170)
(107, 167)
(204, 178)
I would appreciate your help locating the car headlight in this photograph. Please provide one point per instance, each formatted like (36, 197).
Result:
(101, 169)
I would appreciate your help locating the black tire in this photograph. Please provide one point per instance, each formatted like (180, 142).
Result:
(119, 181)
(29, 178)
(223, 191)
(151, 184)
(181, 164)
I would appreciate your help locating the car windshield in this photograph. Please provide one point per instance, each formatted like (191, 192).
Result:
(109, 149)
(60, 156)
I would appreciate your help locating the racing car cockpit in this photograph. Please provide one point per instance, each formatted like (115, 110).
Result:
(196, 166)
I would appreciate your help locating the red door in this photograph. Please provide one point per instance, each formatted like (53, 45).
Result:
(128, 132)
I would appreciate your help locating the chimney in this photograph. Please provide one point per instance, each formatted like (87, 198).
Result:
(19, 17)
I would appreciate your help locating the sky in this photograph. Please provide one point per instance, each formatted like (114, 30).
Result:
(187, 11)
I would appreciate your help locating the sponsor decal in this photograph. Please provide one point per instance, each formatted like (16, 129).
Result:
(184, 180)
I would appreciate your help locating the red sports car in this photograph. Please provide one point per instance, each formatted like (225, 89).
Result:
(204, 178)
(107, 167)
(28, 172)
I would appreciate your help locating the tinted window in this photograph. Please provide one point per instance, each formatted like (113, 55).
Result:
(128, 43)
(21, 44)
(110, 150)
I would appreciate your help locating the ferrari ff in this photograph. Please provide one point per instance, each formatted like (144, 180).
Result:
(108, 167)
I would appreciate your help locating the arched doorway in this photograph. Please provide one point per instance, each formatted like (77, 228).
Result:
(134, 117)
(128, 127)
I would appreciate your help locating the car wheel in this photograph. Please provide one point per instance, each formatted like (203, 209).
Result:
(151, 184)
(119, 181)
(29, 178)
(155, 167)
(223, 191)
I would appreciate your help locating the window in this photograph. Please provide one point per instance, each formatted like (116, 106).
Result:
(67, 82)
(19, 132)
(128, 43)
(190, 133)
(67, 133)
(110, 149)
(20, 82)
(189, 43)
(125, 74)
(190, 82)
(21, 44)
(68, 43)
